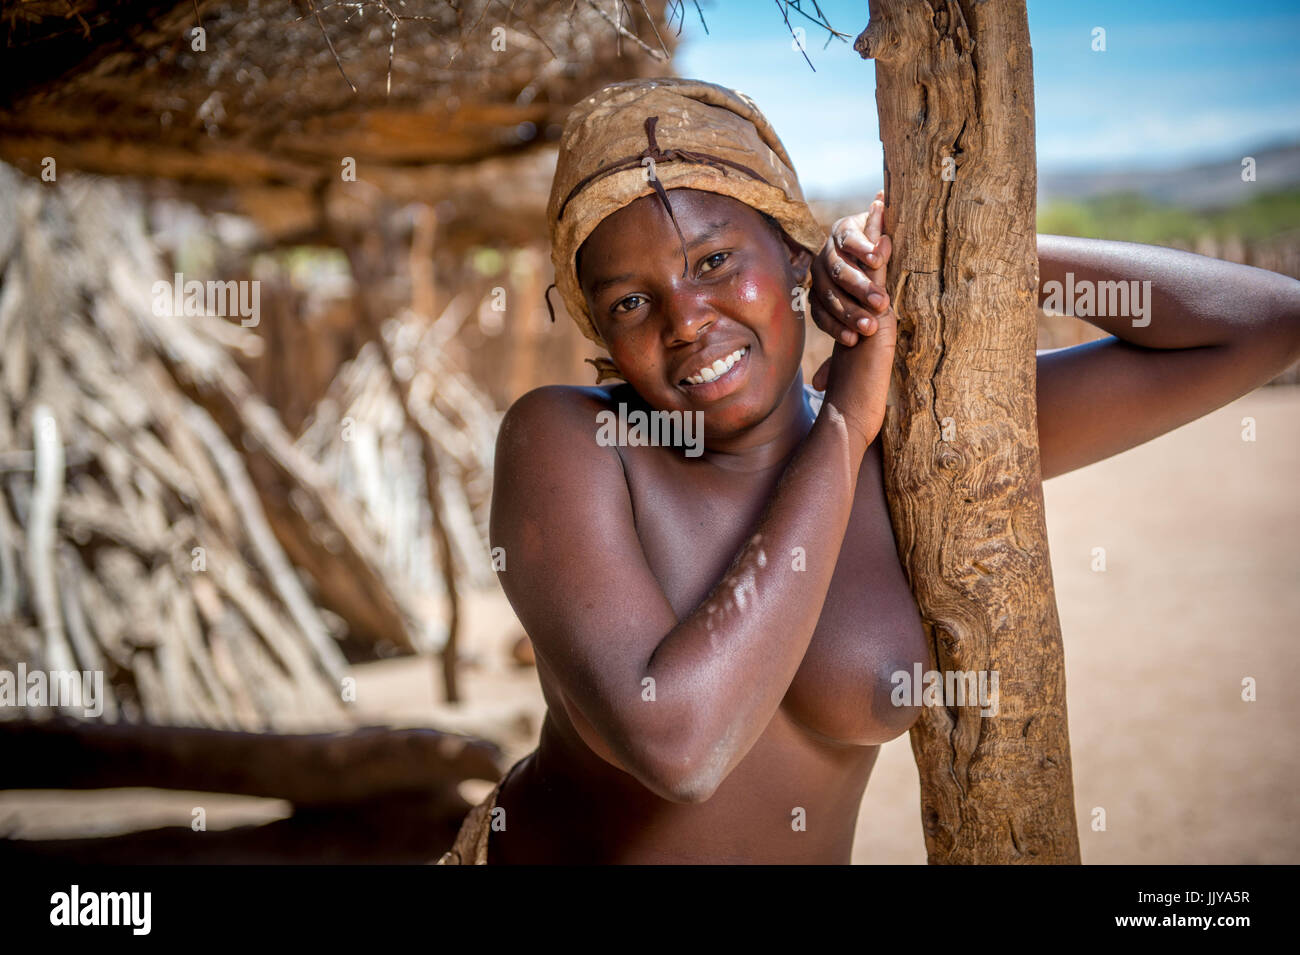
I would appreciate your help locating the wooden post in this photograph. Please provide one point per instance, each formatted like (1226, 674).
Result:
(954, 87)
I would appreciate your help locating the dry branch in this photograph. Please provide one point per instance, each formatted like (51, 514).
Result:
(308, 770)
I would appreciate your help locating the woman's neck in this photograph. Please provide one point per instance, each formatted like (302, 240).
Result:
(771, 442)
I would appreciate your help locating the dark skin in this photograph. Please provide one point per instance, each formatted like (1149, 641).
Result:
(715, 635)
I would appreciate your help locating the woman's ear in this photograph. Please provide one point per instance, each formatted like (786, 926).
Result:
(605, 368)
(800, 259)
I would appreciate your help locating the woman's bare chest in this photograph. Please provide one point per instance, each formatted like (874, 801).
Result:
(869, 628)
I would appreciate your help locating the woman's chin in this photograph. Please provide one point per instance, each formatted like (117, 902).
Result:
(737, 418)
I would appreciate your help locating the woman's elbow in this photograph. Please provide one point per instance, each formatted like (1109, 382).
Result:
(652, 749)
(681, 771)
(686, 785)
(1281, 316)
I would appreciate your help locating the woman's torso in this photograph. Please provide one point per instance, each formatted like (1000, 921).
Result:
(795, 796)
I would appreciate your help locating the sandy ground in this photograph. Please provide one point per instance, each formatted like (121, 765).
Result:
(1201, 532)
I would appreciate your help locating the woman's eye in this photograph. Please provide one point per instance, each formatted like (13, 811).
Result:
(713, 261)
(631, 303)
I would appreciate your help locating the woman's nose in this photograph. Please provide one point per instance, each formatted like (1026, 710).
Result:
(686, 316)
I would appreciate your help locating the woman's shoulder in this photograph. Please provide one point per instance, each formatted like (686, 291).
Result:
(548, 444)
(561, 398)
(560, 418)
(562, 405)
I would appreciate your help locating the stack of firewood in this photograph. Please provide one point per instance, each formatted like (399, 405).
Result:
(387, 411)
(157, 521)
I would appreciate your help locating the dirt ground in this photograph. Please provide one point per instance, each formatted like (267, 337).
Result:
(1201, 532)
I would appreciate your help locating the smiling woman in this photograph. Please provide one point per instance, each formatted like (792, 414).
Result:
(717, 676)
(718, 635)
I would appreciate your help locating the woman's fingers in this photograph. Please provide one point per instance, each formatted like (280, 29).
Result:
(850, 239)
(832, 326)
(848, 276)
(861, 237)
(875, 222)
(881, 248)
(833, 309)
(824, 301)
(843, 333)
(859, 234)
(884, 248)
(846, 290)
(873, 231)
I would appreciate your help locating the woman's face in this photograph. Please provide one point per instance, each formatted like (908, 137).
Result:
(664, 328)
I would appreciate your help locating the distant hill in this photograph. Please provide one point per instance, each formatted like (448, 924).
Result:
(1205, 185)
(1201, 186)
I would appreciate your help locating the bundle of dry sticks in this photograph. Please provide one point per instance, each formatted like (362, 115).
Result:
(157, 521)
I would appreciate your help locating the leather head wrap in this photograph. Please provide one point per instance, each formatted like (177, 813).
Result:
(644, 137)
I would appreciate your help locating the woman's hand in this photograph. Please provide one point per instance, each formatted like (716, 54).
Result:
(856, 376)
(848, 276)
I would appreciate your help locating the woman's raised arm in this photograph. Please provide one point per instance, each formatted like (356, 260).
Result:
(1191, 333)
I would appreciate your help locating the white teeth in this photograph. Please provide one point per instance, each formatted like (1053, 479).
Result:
(717, 369)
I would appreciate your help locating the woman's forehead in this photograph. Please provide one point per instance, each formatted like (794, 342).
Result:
(698, 213)
(696, 202)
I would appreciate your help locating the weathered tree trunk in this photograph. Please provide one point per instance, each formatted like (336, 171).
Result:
(954, 86)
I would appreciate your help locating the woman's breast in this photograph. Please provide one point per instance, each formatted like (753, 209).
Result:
(870, 631)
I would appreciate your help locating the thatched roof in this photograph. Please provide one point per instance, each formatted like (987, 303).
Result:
(284, 89)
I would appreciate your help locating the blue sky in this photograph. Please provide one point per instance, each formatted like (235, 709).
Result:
(1179, 81)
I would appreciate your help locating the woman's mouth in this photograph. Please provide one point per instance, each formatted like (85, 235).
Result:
(717, 379)
(719, 368)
